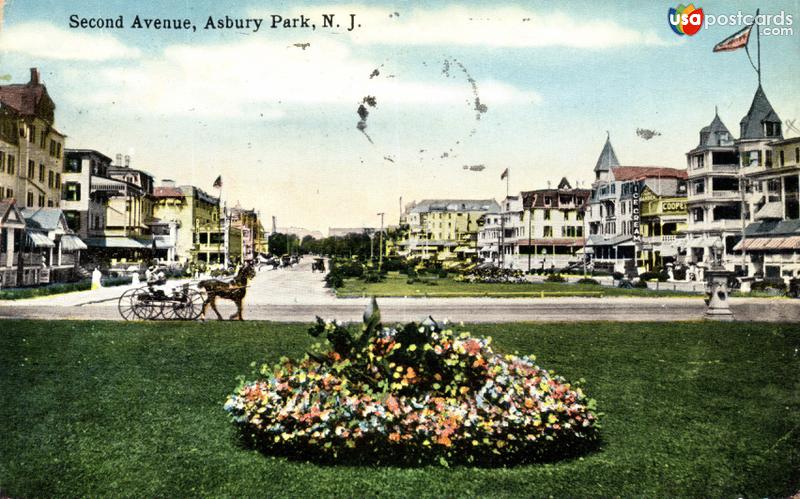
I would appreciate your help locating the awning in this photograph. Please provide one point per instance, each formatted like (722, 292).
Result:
(40, 240)
(118, 242)
(668, 250)
(769, 243)
(701, 242)
(70, 242)
(596, 240)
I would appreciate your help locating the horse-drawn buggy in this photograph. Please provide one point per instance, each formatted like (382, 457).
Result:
(318, 264)
(184, 302)
(151, 303)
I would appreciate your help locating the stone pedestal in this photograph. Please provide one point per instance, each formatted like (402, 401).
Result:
(718, 307)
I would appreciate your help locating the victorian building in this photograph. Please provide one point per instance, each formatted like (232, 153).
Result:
(31, 148)
(444, 229)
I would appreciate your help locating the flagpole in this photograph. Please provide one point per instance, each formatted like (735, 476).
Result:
(758, 43)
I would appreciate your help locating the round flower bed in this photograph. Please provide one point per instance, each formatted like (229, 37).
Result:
(414, 394)
(492, 275)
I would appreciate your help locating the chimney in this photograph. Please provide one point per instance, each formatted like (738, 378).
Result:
(127, 161)
(119, 160)
(34, 77)
(167, 182)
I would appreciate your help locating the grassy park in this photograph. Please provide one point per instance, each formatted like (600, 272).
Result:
(101, 408)
(396, 284)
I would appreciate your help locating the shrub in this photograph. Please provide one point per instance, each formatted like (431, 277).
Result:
(414, 394)
(492, 275)
(334, 280)
(443, 274)
(556, 278)
(679, 273)
(640, 284)
(373, 276)
(394, 264)
(587, 280)
(776, 285)
(649, 276)
(617, 276)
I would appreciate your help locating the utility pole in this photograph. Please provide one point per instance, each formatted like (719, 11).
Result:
(380, 243)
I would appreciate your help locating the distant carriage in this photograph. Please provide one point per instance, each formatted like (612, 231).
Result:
(319, 264)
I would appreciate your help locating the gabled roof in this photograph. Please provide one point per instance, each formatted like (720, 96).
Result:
(709, 135)
(760, 111)
(607, 159)
(45, 219)
(622, 173)
(25, 98)
(10, 214)
(536, 198)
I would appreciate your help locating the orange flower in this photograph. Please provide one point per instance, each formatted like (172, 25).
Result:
(444, 440)
(392, 405)
(394, 437)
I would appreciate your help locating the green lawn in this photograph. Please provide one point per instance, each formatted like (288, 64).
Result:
(112, 409)
(397, 285)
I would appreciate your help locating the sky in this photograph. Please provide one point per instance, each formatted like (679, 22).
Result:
(529, 86)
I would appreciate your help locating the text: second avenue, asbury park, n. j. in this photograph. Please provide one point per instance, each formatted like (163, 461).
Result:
(252, 24)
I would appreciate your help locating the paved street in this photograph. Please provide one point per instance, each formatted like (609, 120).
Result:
(298, 295)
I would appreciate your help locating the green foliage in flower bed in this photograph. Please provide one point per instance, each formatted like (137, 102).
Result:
(414, 394)
(555, 278)
(588, 280)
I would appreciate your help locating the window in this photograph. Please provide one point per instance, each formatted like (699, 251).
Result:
(579, 215)
(58, 150)
(49, 203)
(548, 231)
(780, 158)
(41, 173)
(72, 191)
(547, 201)
(700, 161)
(31, 133)
(9, 193)
(43, 139)
(797, 155)
(546, 212)
(58, 181)
(31, 169)
(772, 129)
(73, 220)
(51, 179)
(29, 200)
(768, 159)
(699, 187)
(2, 161)
(204, 238)
(622, 207)
(73, 165)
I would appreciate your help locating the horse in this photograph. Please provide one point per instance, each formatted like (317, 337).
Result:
(234, 291)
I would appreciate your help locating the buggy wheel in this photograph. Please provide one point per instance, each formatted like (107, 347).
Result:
(145, 306)
(189, 307)
(125, 305)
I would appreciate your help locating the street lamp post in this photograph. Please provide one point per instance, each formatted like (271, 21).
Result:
(544, 258)
(380, 243)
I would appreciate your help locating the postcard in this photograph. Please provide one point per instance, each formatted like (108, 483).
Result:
(187, 188)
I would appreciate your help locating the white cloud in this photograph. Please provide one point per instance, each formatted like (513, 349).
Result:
(43, 40)
(256, 75)
(512, 26)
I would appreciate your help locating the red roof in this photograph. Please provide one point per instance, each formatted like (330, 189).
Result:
(640, 172)
(167, 192)
(23, 98)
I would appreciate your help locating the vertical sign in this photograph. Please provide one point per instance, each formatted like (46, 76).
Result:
(637, 235)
